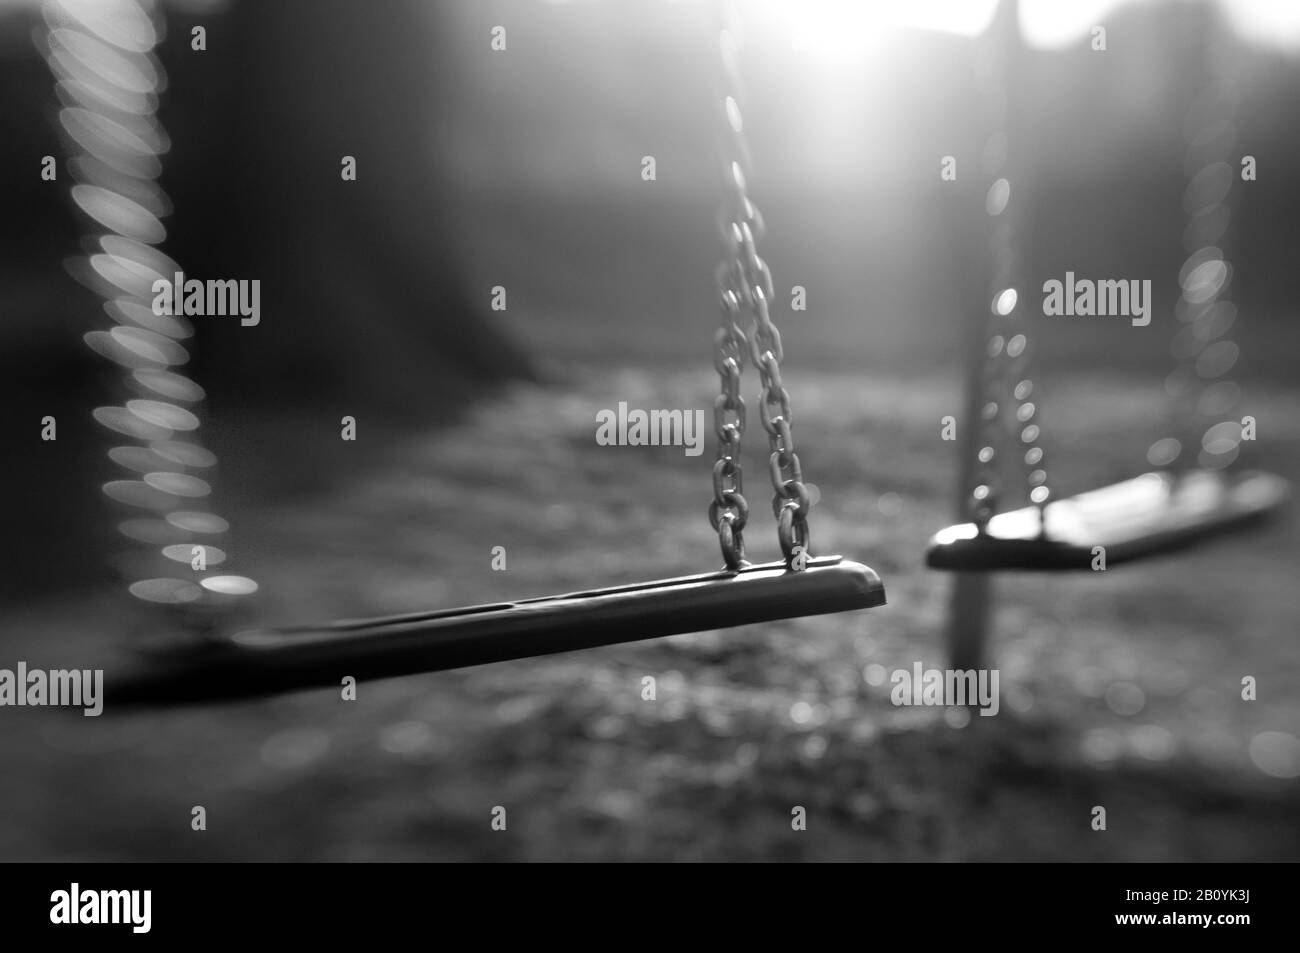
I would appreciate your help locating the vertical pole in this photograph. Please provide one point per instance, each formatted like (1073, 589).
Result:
(971, 595)
(971, 599)
(969, 610)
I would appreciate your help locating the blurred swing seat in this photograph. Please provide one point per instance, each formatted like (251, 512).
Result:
(265, 661)
(1149, 514)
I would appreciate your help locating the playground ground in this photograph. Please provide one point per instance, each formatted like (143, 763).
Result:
(1119, 689)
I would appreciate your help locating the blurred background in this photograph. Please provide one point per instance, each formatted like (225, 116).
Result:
(522, 168)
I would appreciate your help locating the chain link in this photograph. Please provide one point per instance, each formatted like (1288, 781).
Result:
(1204, 398)
(1006, 415)
(745, 290)
(160, 436)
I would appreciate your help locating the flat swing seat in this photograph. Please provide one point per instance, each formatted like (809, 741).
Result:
(266, 661)
(1152, 513)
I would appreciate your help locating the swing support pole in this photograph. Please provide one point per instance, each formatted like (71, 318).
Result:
(971, 595)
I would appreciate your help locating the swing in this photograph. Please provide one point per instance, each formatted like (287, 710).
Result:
(108, 83)
(1153, 513)
(256, 662)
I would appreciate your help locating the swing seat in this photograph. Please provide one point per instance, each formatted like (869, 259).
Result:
(1149, 514)
(265, 661)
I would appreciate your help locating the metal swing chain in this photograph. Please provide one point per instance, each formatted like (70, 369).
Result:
(745, 287)
(1204, 396)
(109, 80)
(1006, 413)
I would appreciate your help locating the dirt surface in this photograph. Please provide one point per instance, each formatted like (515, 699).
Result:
(1119, 689)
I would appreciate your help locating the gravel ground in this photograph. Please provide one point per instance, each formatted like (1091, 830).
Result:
(1119, 689)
